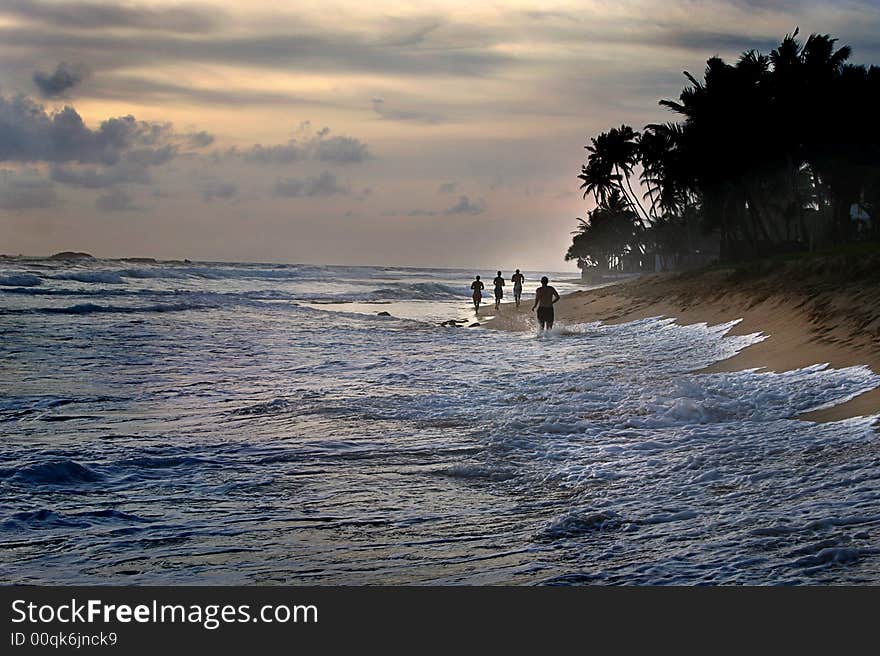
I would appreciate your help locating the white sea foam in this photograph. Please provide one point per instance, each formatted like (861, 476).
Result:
(342, 447)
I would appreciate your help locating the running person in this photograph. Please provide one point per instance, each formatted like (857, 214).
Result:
(499, 289)
(545, 297)
(478, 286)
(517, 279)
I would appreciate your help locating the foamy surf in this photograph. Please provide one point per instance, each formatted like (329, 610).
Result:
(246, 434)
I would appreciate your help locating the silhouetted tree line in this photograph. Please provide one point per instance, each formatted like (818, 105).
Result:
(775, 153)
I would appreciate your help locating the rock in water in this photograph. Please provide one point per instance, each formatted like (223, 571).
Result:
(383, 314)
(71, 255)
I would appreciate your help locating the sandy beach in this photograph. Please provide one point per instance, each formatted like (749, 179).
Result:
(811, 312)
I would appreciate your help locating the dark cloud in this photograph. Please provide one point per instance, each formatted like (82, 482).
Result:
(223, 190)
(324, 184)
(330, 150)
(408, 32)
(120, 150)
(134, 167)
(280, 154)
(200, 139)
(713, 42)
(58, 83)
(93, 178)
(410, 115)
(24, 191)
(28, 133)
(315, 52)
(465, 206)
(100, 15)
(421, 47)
(447, 188)
(340, 150)
(542, 15)
(116, 200)
(151, 156)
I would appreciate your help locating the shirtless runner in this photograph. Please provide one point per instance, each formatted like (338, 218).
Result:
(517, 279)
(499, 289)
(477, 285)
(545, 297)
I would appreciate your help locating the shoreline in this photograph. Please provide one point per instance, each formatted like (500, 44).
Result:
(809, 320)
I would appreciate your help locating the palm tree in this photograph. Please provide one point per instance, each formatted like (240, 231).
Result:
(759, 145)
(613, 155)
(609, 232)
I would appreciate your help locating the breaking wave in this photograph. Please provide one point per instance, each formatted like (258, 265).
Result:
(20, 280)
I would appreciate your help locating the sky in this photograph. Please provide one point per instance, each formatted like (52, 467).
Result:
(428, 134)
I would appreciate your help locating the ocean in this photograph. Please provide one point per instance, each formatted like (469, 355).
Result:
(224, 423)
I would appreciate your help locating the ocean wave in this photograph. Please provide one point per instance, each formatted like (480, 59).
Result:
(277, 272)
(474, 471)
(48, 519)
(54, 472)
(578, 522)
(150, 274)
(42, 518)
(272, 407)
(20, 280)
(217, 297)
(158, 462)
(101, 277)
(112, 514)
(420, 291)
(94, 308)
(429, 291)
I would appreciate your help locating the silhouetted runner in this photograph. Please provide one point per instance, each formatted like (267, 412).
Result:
(478, 286)
(545, 297)
(499, 289)
(517, 279)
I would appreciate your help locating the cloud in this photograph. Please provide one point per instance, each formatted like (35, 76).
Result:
(285, 47)
(120, 150)
(411, 115)
(28, 133)
(280, 154)
(340, 150)
(324, 184)
(224, 190)
(93, 178)
(465, 206)
(63, 79)
(134, 167)
(116, 200)
(25, 190)
(200, 139)
(330, 150)
(100, 15)
(125, 85)
(541, 15)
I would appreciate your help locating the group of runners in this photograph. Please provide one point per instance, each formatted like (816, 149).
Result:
(545, 296)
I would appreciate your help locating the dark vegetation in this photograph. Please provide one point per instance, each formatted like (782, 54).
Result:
(776, 154)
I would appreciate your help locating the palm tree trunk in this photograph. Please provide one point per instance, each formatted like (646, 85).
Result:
(633, 199)
(796, 196)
